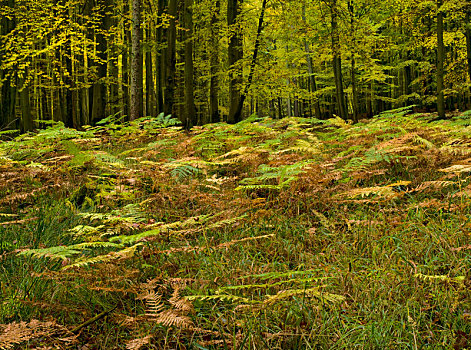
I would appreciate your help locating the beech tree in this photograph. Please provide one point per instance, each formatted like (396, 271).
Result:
(78, 62)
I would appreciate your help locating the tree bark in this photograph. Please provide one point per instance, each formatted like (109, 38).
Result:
(312, 78)
(190, 108)
(440, 61)
(150, 90)
(238, 112)
(170, 59)
(337, 62)
(235, 54)
(468, 39)
(26, 117)
(8, 86)
(214, 70)
(98, 91)
(159, 54)
(136, 107)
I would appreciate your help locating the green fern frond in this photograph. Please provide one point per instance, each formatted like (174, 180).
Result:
(121, 254)
(325, 298)
(441, 278)
(303, 281)
(276, 274)
(220, 297)
(65, 252)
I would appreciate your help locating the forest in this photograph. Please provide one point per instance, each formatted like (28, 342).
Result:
(78, 62)
(235, 174)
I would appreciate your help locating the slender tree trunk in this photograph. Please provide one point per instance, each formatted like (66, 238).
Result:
(98, 98)
(468, 40)
(312, 78)
(351, 10)
(237, 116)
(159, 54)
(8, 86)
(125, 68)
(136, 107)
(354, 90)
(170, 59)
(150, 91)
(26, 117)
(190, 109)
(440, 61)
(214, 70)
(337, 62)
(235, 54)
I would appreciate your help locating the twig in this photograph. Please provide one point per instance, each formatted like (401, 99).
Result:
(92, 320)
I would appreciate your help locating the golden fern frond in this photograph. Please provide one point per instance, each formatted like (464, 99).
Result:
(5, 215)
(442, 278)
(154, 304)
(457, 168)
(380, 191)
(313, 146)
(386, 192)
(241, 155)
(136, 344)
(15, 333)
(457, 147)
(433, 184)
(181, 304)
(169, 318)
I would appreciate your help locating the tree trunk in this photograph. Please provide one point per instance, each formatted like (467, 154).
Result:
(312, 78)
(190, 108)
(337, 63)
(440, 61)
(98, 91)
(8, 86)
(214, 70)
(235, 54)
(150, 94)
(160, 64)
(26, 117)
(170, 59)
(468, 39)
(125, 68)
(237, 116)
(136, 107)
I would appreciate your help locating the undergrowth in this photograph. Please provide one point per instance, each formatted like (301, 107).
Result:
(268, 234)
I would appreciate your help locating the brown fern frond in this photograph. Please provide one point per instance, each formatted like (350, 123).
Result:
(170, 318)
(16, 333)
(138, 343)
(154, 304)
(179, 303)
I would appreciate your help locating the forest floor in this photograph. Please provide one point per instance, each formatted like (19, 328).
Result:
(267, 234)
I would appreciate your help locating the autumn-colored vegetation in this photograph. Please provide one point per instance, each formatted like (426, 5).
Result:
(267, 234)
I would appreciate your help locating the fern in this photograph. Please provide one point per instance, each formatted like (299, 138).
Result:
(65, 252)
(441, 278)
(323, 297)
(121, 254)
(282, 175)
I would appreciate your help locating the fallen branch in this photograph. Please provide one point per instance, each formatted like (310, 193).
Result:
(92, 320)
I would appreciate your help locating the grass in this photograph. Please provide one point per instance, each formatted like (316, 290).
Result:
(366, 247)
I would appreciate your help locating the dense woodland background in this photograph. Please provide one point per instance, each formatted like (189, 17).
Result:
(79, 61)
